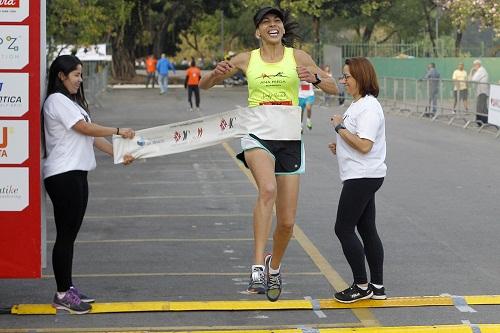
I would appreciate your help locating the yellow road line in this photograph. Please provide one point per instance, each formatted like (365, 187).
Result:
(365, 316)
(483, 300)
(251, 305)
(173, 274)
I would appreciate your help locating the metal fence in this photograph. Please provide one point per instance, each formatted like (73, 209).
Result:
(443, 49)
(434, 100)
(95, 81)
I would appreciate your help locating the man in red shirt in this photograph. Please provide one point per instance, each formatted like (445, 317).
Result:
(151, 69)
(193, 76)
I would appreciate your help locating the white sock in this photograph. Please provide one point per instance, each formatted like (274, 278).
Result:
(61, 295)
(274, 271)
(378, 286)
(362, 287)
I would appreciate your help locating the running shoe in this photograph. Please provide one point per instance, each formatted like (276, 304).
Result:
(71, 302)
(353, 294)
(257, 280)
(378, 293)
(274, 283)
(84, 298)
(309, 124)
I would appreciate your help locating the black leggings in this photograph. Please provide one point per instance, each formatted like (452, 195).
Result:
(196, 91)
(357, 209)
(69, 195)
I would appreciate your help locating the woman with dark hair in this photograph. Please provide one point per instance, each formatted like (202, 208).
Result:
(273, 72)
(360, 150)
(69, 137)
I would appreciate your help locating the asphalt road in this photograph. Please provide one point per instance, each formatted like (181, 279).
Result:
(179, 228)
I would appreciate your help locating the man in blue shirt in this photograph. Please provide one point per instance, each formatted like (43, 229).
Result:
(162, 67)
(433, 80)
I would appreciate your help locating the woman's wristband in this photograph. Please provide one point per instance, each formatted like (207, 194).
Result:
(339, 127)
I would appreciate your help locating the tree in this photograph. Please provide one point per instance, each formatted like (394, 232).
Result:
(462, 12)
(74, 22)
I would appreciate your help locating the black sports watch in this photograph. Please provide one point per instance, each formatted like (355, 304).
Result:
(318, 80)
(339, 127)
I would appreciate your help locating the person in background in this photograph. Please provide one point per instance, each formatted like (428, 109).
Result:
(361, 149)
(306, 101)
(151, 62)
(433, 79)
(480, 78)
(192, 81)
(327, 97)
(162, 67)
(460, 92)
(68, 139)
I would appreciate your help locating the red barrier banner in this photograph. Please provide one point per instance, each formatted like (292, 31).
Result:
(20, 211)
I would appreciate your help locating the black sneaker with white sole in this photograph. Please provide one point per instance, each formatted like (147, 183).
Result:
(353, 294)
(378, 293)
(273, 282)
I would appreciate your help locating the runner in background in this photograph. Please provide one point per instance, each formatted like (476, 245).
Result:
(306, 101)
(192, 81)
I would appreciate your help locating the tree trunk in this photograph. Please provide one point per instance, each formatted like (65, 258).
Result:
(458, 41)
(124, 44)
(317, 46)
(431, 32)
(123, 66)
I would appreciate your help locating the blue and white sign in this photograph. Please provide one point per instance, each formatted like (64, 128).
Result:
(14, 92)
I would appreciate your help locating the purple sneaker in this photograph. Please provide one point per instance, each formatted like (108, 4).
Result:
(84, 298)
(71, 302)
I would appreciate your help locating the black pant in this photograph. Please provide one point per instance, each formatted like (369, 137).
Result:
(196, 91)
(482, 108)
(69, 195)
(357, 209)
(150, 77)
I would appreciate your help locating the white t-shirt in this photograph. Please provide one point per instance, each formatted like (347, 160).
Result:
(306, 89)
(364, 118)
(66, 149)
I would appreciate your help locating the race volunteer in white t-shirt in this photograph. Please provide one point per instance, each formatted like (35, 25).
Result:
(360, 148)
(69, 138)
(66, 148)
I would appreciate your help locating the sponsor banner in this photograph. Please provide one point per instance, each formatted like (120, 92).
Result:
(14, 140)
(494, 106)
(14, 88)
(14, 10)
(14, 189)
(267, 122)
(14, 46)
